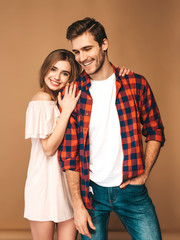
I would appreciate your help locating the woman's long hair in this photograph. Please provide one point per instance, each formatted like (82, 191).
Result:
(53, 58)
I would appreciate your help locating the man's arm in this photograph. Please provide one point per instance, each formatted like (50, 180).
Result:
(70, 163)
(153, 130)
(151, 154)
(81, 215)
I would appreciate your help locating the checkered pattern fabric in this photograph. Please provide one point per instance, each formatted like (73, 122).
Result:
(138, 114)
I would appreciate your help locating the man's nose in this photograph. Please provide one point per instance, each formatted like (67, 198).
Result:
(82, 57)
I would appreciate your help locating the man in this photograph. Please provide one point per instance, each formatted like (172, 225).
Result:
(102, 151)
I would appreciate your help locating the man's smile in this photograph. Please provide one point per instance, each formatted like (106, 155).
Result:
(87, 63)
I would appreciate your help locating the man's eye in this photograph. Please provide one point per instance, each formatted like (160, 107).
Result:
(87, 49)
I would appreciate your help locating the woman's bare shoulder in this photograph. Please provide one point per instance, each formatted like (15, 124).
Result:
(41, 96)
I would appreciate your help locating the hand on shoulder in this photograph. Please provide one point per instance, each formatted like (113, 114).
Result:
(41, 96)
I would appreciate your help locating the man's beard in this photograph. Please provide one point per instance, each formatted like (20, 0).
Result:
(100, 65)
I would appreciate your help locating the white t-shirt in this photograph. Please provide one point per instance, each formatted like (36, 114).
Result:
(106, 153)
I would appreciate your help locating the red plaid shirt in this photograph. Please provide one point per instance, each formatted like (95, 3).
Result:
(136, 107)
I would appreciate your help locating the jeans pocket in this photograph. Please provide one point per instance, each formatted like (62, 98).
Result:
(136, 190)
(137, 185)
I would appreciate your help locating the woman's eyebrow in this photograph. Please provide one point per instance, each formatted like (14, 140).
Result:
(54, 67)
(65, 71)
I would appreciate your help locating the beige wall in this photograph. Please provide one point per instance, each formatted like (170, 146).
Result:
(143, 35)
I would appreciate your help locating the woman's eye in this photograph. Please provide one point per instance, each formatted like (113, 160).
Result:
(53, 69)
(66, 74)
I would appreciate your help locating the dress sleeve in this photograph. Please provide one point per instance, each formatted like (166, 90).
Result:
(41, 117)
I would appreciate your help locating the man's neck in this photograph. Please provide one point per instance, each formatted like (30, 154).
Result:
(105, 72)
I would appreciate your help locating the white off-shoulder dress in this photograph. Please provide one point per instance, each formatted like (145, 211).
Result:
(47, 196)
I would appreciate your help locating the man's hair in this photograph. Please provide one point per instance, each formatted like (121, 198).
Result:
(87, 25)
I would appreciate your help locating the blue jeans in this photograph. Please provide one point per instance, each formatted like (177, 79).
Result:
(132, 205)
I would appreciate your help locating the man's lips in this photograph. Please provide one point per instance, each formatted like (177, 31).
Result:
(87, 63)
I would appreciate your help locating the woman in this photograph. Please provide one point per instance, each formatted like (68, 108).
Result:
(47, 198)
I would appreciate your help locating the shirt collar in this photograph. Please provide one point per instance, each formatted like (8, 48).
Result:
(116, 71)
(87, 82)
(86, 79)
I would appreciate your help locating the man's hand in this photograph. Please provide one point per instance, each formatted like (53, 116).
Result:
(151, 154)
(141, 179)
(81, 218)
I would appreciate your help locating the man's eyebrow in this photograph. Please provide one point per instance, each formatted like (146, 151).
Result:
(88, 46)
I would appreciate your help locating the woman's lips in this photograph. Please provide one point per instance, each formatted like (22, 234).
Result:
(54, 83)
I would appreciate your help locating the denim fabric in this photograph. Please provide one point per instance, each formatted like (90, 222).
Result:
(132, 205)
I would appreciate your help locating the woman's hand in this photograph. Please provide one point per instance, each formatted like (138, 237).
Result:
(123, 71)
(70, 99)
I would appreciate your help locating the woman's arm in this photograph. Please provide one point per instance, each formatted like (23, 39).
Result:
(68, 103)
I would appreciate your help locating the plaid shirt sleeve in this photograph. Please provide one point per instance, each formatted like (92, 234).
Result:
(68, 153)
(150, 117)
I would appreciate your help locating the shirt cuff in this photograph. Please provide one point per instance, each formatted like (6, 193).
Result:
(157, 135)
(70, 164)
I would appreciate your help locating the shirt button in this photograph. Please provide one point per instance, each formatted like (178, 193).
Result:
(87, 114)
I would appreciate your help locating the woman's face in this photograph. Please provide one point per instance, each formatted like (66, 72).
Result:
(58, 76)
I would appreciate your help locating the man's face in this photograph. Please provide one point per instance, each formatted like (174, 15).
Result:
(88, 53)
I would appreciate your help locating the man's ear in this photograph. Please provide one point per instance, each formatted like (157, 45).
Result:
(105, 45)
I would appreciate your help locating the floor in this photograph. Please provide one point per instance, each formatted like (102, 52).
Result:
(26, 235)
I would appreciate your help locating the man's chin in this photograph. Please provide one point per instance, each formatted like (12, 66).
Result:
(91, 71)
